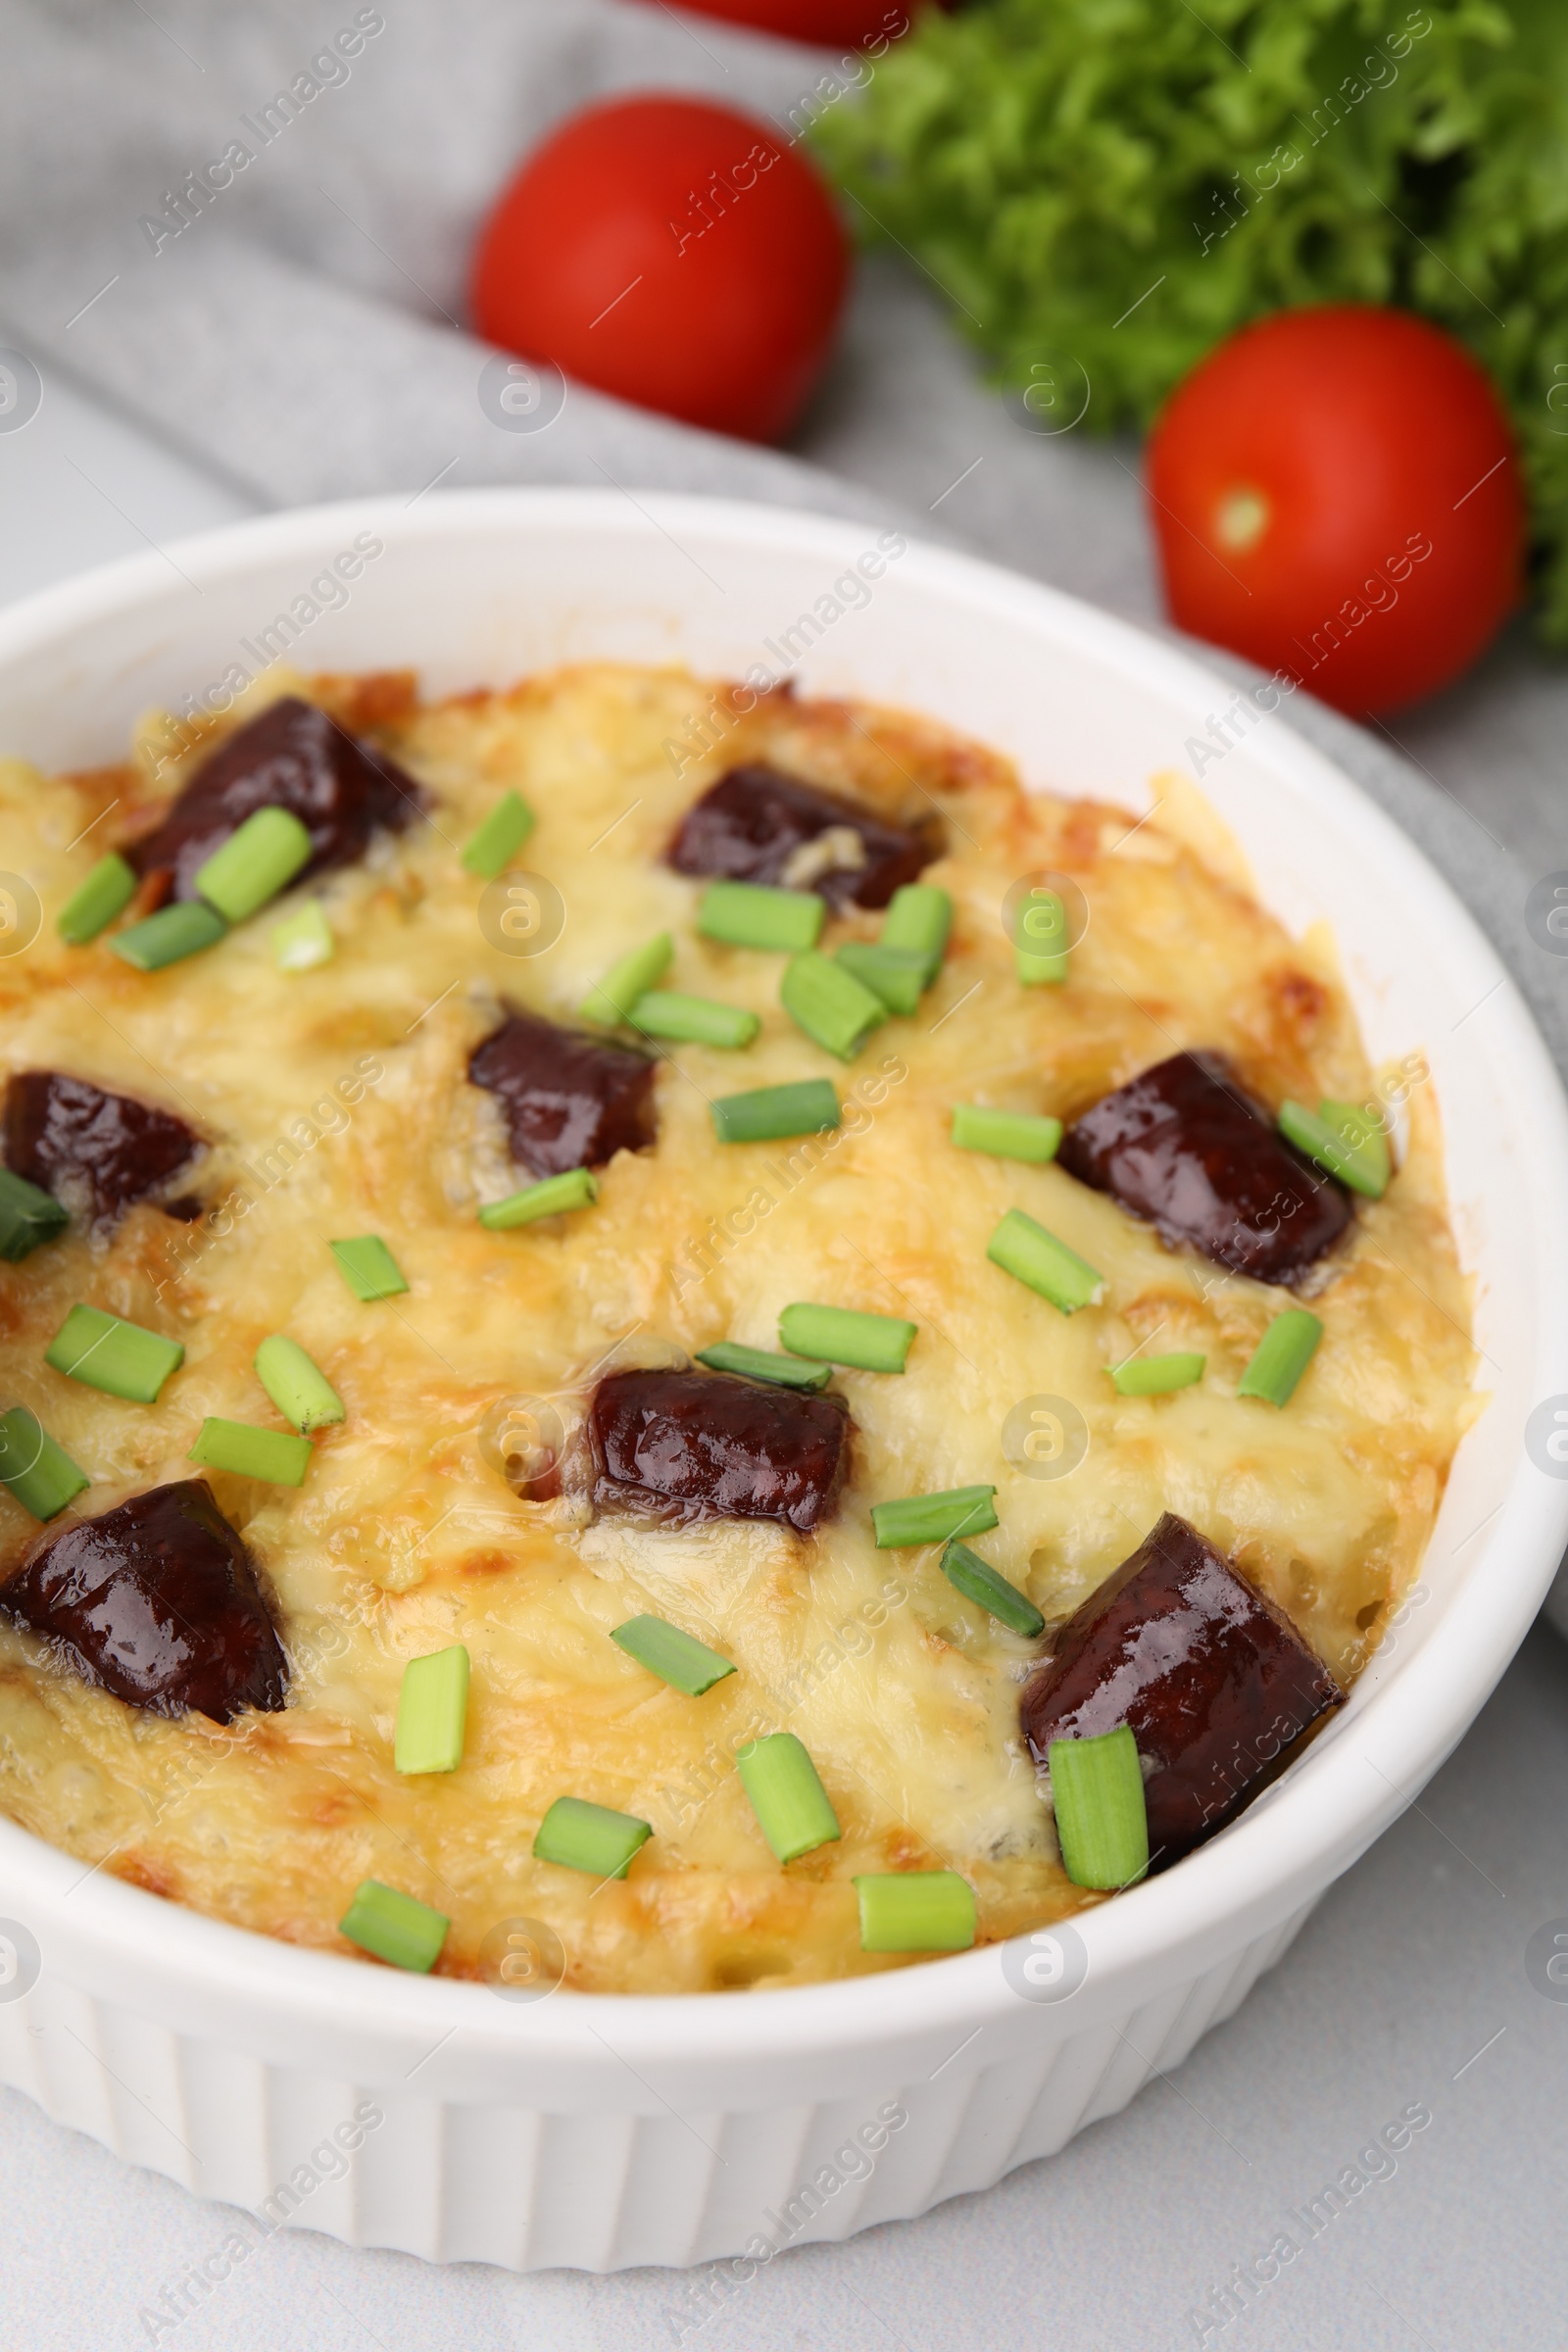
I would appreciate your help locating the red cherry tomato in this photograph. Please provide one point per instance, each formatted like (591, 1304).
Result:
(1336, 493)
(675, 254)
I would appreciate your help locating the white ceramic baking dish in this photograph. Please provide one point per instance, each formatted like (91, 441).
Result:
(604, 2131)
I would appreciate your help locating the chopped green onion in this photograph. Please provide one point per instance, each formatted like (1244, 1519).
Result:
(28, 1217)
(168, 936)
(1040, 938)
(1342, 1138)
(1008, 1134)
(1157, 1375)
(979, 1582)
(1026, 1249)
(1280, 1356)
(40, 1474)
(897, 975)
(552, 1197)
(255, 861)
(611, 999)
(829, 1003)
(675, 1657)
(915, 1911)
(299, 1388)
(591, 1837)
(369, 1267)
(304, 941)
(432, 1712)
(757, 1363)
(807, 1106)
(503, 833)
(122, 1359)
(933, 1518)
(394, 1926)
(274, 1454)
(754, 914)
(919, 918)
(693, 1020)
(843, 1335)
(789, 1800)
(1101, 1817)
(1365, 1143)
(94, 903)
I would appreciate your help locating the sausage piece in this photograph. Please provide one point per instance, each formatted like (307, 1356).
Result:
(94, 1151)
(292, 756)
(155, 1602)
(1210, 1676)
(571, 1101)
(755, 825)
(711, 1446)
(1186, 1145)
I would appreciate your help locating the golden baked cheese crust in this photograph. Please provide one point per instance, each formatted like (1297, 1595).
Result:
(335, 1102)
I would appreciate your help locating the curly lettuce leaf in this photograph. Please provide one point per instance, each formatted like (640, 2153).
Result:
(1107, 188)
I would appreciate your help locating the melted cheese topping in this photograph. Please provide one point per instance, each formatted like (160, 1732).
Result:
(335, 1104)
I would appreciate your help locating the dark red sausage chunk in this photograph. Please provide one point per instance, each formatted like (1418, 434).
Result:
(755, 825)
(155, 1602)
(1187, 1147)
(96, 1152)
(571, 1101)
(1212, 1678)
(292, 756)
(707, 1447)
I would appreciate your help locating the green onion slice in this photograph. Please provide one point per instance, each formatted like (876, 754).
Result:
(393, 1926)
(933, 1518)
(1157, 1375)
(1026, 1249)
(915, 1911)
(503, 833)
(168, 936)
(834, 1009)
(1040, 938)
(679, 1659)
(432, 1712)
(1344, 1140)
(982, 1583)
(758, 1363)
(844, 1335)
(298, 1387)
(809, 1106)
(304, 941)
(611, 999)
(591, 1837)
(369, 1267)
(754, 914)
(1101, 1819)
(1007, 1134)
(28, 1217)
(256, 861)
(94, 903)
(919, 918)
(787, 1797)
(275, 1454)
(40, 1474)
(897, 975)
(1280, 1356)
(552, 1197)
(693, 1020)
(122, 1359)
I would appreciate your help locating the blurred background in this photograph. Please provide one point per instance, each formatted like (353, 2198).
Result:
(1212, 318)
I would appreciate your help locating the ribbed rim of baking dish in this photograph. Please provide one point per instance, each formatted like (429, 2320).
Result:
(1284, 1849)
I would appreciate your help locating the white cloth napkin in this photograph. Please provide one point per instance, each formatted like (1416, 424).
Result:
(305, 331)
